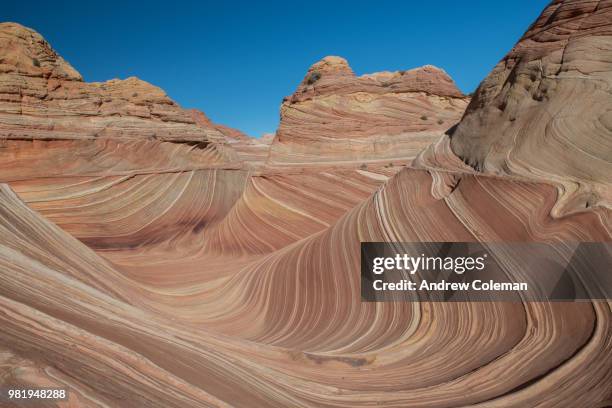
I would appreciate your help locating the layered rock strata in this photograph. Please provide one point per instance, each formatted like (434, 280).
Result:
(113, 126)
(337, 117)
(545, 111)
(221, 287)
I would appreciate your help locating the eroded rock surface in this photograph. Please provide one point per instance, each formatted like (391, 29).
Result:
(337, 117)
(210, 285)
(47, 109)
(545, 111)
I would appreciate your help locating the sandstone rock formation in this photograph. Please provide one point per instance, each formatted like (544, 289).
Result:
(545, 111)
(253, 152)
(335, 116)
(210, 284)
(47, 110)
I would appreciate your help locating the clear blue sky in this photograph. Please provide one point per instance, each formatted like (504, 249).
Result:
(236, 60)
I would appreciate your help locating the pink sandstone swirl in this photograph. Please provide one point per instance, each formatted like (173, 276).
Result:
(186, 276)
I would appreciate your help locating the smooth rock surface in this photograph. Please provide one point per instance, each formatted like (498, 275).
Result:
(545, 111)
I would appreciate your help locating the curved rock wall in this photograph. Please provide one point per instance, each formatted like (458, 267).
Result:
(181, 276)
(545, 111)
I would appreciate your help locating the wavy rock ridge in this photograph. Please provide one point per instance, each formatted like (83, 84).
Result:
(215, 285)
(544, 111)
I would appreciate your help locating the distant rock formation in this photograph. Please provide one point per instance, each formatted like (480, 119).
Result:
(53, 102)
(253, 152)
(335, 116)
(43, 99)
(267, 138)
(545, 111)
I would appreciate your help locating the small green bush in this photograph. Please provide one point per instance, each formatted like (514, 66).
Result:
(313, 77)
(35, 62)
(424, 117)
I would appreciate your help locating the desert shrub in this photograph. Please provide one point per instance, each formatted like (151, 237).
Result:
(440, 121)
(363, 166)
(424, 117)
(36, 62)
(313, 77)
